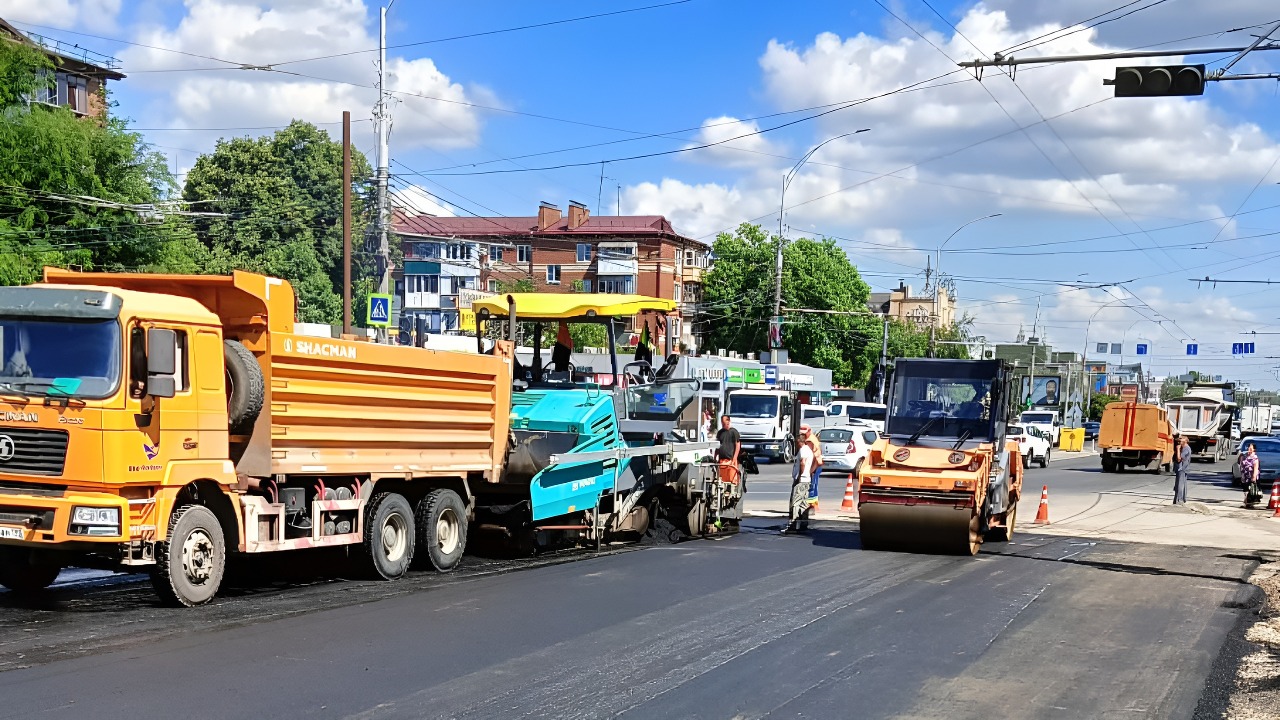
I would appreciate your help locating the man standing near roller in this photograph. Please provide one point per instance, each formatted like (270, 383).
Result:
(801, 474)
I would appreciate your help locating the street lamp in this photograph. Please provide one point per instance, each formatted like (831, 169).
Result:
(782, 205)
(938, 268)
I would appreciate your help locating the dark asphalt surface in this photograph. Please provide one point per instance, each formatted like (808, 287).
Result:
(746, 626)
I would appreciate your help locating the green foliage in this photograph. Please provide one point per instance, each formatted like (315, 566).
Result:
(283, 194)
(1171, 389)
(738, 290)
(1098, 403)
(523, 285)
(49, 155)
(20, 73)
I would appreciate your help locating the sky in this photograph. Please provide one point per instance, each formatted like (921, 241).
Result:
(1106, 209)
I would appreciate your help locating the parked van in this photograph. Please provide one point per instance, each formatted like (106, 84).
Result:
(872, 414)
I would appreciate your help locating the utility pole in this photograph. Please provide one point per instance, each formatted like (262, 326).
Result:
(884, 360)
(1031, 379)
(346, 223)
(382, 116)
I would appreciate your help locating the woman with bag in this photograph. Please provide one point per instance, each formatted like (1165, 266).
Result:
(1249, 476)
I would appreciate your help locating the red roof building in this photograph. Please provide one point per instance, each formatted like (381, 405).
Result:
(556, 252)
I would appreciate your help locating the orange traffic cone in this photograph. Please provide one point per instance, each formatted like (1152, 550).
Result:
(847, 503)
(1042, 515)
(1276, 514)
(1275, 496)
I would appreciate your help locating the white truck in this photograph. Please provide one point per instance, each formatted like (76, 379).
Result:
(1047, 421)
(763, 420)
(1255, 420)
(845, 412)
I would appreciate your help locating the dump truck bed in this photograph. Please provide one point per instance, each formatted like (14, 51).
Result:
(1134, 426)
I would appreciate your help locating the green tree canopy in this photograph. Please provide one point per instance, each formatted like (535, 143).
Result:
(64, 180)
(1171, 389)
(283, 198)
(1098, 403)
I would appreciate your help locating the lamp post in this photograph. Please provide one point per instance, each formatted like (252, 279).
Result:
(782, 206)
(938, 268)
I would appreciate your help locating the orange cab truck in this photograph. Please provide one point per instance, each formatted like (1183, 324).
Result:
(943, 477)
(157, 423)
(1135, 435)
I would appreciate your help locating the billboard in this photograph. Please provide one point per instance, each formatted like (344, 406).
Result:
(1129, 393)
(1046, 390)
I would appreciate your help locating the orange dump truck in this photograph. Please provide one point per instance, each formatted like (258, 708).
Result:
(159, 423)
(1135, 435)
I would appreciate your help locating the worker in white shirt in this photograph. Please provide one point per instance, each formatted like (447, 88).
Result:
(801, 474)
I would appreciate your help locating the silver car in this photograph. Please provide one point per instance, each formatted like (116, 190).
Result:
(844, 448)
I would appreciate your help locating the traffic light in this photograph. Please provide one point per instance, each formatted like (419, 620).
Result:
(1158, 81)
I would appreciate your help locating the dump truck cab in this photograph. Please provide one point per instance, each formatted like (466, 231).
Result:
(104, 402)
(943, 475)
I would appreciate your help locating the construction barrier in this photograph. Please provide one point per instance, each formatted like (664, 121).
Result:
(1071, 440)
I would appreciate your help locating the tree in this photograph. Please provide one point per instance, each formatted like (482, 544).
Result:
(65, 182)
(1171, 389)
(817, 275)
(283, 198)
(1098, 403)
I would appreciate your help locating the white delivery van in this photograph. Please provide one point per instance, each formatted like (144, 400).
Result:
(872, 414)
(1047, 421)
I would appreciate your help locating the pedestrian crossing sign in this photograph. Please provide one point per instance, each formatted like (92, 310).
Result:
(378, 313)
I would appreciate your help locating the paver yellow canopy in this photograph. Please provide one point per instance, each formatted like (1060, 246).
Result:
(569, 306)
(943, 477)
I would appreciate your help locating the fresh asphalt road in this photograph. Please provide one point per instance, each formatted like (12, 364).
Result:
(750, 625)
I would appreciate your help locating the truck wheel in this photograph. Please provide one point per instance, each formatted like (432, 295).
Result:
(788, 454)
(246, 388)
(1026, 461)
(389, 535)
(191, 563)
(441, 521)
(1108, 465)
(22, 572)
(1005, 533)
(1044, 459)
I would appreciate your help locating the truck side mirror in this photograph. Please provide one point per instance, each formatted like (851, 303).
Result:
(162, 362)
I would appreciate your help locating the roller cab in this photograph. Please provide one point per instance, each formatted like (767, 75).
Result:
(943, 476)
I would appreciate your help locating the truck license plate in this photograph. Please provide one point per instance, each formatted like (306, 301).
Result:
(11, 533)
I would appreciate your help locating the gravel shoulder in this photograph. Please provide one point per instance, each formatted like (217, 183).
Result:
(1245, 681)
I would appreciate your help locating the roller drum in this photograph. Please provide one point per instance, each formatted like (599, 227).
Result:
(922, 528)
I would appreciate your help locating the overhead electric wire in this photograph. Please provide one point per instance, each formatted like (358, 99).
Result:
(1027, 45)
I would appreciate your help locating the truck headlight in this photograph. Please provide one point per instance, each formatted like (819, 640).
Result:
(95, 521)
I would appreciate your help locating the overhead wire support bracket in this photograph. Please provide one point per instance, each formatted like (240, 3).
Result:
(999, 60)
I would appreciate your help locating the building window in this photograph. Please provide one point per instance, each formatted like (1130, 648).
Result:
(493, 286)
(586, 286)
(553, 274)
(495, 252)
(77, 93)
(584, 252)
(617, 284)
(458, 251)
(524, 253)
(693, 258)
(692, 292)
(422, 283)
(676, 293)
(617, 252)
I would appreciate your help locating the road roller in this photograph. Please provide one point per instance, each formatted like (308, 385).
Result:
(943, 477)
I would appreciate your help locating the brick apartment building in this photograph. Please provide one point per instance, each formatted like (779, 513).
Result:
(574, 252)
(80, 75)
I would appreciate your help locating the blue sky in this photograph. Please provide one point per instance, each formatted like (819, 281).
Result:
(1145, 192)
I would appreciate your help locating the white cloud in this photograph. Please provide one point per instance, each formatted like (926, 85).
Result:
(750, 151)
(414, 201)
(696, 210)
(250, 32)
(62, 13)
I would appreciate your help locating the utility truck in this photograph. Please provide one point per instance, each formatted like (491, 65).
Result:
(763, 419)
(944, 476)
(163, 423)
(1136, 435)
(1203, 416)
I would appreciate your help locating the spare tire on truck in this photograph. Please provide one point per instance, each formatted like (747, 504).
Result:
(246, 388)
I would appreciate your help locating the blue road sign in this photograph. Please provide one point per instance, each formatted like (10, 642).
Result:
(1248, 349)
(379, 314)
(1193, 349)
(1142, 348)
(1237, 348)
(770, 374)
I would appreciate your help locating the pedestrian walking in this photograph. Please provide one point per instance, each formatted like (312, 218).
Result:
(801, 477)
(1249, 476)
(809, 437)
(1180, 474)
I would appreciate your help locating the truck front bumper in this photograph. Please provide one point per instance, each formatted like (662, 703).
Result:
(766, 448)
(50, 518)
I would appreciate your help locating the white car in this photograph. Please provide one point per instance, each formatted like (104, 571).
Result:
(1032, 443)
(844, 448)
